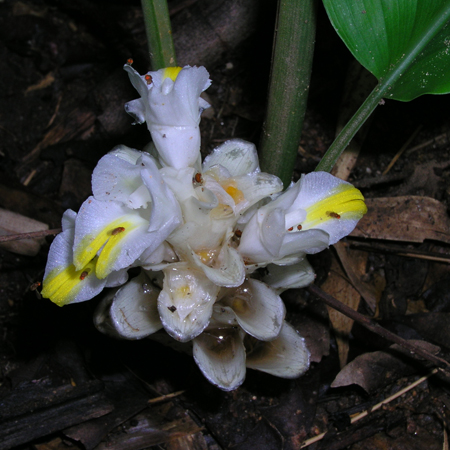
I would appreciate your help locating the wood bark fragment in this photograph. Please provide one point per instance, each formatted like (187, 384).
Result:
(27, 415)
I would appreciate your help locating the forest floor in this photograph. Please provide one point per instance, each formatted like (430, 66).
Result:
(63, 385)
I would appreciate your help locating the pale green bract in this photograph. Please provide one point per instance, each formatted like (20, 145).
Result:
(216, 242)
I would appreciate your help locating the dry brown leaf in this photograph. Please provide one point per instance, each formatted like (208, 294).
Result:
(354, 264)
(409, 218)
(13, 223)
(340, 288)
(374, 370)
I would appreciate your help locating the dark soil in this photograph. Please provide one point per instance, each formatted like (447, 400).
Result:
(64, 385)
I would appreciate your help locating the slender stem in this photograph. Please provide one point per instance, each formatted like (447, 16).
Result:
(384, 86)
(374, 327)
(32, 235)
(289, 86)
(352, 127)
(159, 33)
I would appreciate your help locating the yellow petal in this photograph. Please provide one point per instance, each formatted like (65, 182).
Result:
(171, 72)
(109, 237)
(345, 202)
(62, 286)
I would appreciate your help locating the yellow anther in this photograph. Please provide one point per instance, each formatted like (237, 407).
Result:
(183, 291)
(206, 255)
(235, 193)
(239, 305)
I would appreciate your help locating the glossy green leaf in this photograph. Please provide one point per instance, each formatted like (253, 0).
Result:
(404, 43)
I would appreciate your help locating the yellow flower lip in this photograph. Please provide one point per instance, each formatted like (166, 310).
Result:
(171, 72)
(108, 241)
(344, 203)
(62, 286)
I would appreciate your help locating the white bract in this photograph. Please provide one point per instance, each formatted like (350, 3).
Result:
(170, 103)
(216, 242)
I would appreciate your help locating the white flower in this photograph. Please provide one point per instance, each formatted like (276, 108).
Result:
(63, 283)
(132, 211)
(247, 329)
(314, 213)
(170, 103)
(199, 232)
(213, 201)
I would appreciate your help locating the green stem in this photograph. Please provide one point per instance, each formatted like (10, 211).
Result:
(352, 127)
(159, 33)
(289, 86)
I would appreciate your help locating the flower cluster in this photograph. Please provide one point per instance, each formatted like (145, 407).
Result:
(217, 242)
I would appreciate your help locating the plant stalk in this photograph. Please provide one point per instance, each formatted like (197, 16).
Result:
(289, 86)
(159, 33)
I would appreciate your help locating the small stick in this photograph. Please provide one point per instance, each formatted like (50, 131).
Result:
(163, 398)
(376, 328)
(400, 251)
(34, 234)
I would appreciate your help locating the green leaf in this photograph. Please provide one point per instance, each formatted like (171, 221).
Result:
(404, 43)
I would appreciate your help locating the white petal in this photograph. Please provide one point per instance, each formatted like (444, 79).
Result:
(220, 354)
(169, 140)
(128, 154)
(136, 109)
(68, 219)
(172, 111)
(262, 236)
(308, 241)
(289, 277)
(255, 187)
(332, 205)
(188, 86)
(164, 253)
(222, 317)
(285, 357)
(118, 278)
(138, 81)
(228, 270)
(259, 310)
(180, 182)
(166, 213)
(120, 233)
(186, 301)
(115, 178)
(133, 312)
(239, 157)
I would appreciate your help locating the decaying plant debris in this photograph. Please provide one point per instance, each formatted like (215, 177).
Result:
(63, 385)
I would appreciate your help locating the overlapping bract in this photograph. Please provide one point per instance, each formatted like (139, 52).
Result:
(200, 233)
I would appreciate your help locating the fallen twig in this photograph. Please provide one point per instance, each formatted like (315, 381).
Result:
(401, 251)
(163, 398)
(34, 234)
(376, 328)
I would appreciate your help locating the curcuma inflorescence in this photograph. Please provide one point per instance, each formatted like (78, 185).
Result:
(200, 232)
